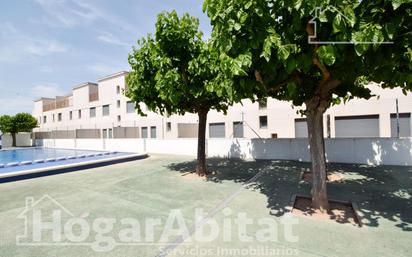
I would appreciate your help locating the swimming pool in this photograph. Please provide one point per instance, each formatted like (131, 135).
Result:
(37, 154)
(21, 162)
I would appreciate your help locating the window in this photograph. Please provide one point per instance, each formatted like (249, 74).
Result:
(44, 119)
(263, 122)
(130, 107)
(263, 104)
(70, 115)
(144, 132)
(59, 117)
(237, 129)
(53, 117)
(118, 89)
(92, 112)
(119, 118)
(106, 110)
(118, 103)
(80, 114)
(168, 126)
(110, 133)
(404, 125)
(153, 132)
(217, 130)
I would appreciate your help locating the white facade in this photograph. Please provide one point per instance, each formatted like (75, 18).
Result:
(63, 113)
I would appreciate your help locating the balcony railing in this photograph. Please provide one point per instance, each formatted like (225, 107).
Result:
(49, 106)
(60, 102)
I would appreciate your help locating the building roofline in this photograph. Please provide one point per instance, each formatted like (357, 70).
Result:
(43, 98)
(113, 75)
(84, 84)
(64, 96)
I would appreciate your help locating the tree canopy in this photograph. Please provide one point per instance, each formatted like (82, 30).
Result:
(21, 122)
(175, 72)
(266, 42)
(313, 52)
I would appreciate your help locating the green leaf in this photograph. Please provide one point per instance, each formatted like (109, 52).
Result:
(322, 17)
(326, 54)
(397, 3)
(358, 37)
(350, 16)
(297, 4)
(291, 87)
(337, 23)
(267, 49)
(291, 65)
(283, 53)
(390, 29)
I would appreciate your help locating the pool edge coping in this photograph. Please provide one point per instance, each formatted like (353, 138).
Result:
(74, 165)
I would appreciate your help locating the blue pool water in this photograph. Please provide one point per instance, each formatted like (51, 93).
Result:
(37, 160)
(32, 154)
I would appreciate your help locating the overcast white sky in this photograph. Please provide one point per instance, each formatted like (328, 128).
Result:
(49, 46)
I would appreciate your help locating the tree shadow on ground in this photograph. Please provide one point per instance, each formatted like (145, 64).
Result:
(278, 180)
(382, 192)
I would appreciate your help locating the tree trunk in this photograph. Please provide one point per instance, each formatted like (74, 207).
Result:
(317, 154)
(13, 135)
(201, 144)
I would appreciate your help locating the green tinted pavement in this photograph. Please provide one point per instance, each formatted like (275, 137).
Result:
(152, 187)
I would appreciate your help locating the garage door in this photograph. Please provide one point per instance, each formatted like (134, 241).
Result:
(187, 130)
(301, 128)
(404, 125)
(217, 130)
(357, 126)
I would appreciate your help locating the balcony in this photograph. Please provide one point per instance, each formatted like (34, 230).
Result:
(93, 96)
(58, 103)
(49, 106)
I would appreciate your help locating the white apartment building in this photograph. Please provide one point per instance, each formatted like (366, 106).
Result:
(100, 110)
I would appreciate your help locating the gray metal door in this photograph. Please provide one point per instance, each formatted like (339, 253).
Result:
(153, 132)
(187, 130)
(301, 128)
(404, 125)
(238, 129)
(217, 130)
(357, 126)
(144, 132)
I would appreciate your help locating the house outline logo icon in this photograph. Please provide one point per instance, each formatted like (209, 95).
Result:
(30, 207)
(312, 39)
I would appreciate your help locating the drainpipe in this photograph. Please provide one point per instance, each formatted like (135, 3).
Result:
(397, 119)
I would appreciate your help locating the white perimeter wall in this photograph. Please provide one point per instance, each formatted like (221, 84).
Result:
(372, 151)
(22, 140)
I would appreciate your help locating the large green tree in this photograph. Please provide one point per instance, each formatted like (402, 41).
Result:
(176, 72)
(21, 122)
(273, 48)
